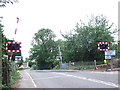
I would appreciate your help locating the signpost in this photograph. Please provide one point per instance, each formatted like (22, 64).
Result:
(107, 57)
(105, 46)
(13, 46)
(110, 53)
(60, 54)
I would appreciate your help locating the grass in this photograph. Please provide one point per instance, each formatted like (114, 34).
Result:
(14, 77)
(23, 68)
(82, 67)
(77, 67)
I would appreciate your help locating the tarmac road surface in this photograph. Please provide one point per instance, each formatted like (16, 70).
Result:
(67, 79)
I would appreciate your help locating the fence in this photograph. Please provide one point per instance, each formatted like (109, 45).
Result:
(80, 63)
(64, 65)
(99, 65)
(84, 63)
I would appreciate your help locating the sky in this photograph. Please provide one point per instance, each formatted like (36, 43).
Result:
(57, 15)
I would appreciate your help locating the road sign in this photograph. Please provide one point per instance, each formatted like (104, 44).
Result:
(59, 57)
(107, 57)
(13, 46)
(103, 46)
(110, 53)
(18, 58)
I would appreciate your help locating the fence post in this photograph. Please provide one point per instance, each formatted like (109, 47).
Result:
(5, 71)
(111, 63)
(95, 64)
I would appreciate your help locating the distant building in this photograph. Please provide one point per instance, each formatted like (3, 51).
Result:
(24, 64)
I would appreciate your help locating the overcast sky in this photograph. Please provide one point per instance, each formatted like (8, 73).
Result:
(53, 14)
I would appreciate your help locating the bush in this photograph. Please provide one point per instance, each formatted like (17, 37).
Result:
(56, 62)
(34, 67)
(56, 67)
(99, 62)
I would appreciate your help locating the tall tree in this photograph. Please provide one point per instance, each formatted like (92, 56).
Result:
(82, 43)
(4, 39)
(44, 48)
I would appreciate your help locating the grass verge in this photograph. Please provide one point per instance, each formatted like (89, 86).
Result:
(14, 77)
(78, 67)
(23, 68)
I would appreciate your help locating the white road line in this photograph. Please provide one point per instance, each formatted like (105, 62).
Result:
(90, 79)
(31, 79)
(110, 73)
(50, 77)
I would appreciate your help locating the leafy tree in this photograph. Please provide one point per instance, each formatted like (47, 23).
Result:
(44, 48)
(81, 44)
(3, 38)
(117, 48)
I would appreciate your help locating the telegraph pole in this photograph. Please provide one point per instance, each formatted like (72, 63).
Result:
(60, 54)
(118, 23)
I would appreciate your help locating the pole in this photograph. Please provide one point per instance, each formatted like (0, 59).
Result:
(60, 53)
(17, 21)
(119, 23)
(95, 64)
(111, 63)
(11, 55)
(1, 54)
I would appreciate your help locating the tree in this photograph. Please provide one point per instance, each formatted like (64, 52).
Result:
(3, 40)
(117, 48)
(44, 48)
(81, 44)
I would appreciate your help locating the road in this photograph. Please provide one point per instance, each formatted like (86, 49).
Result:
(68, 79)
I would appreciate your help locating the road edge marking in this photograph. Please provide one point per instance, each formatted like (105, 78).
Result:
(31, 79)
(92, 80)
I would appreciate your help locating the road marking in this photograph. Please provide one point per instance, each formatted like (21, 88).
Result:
(112, 73)
(90, 79)
(50, 77)
(31, 79)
